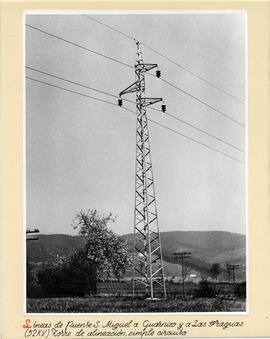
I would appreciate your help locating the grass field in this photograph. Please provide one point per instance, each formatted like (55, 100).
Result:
(128, 304)
(113, 297)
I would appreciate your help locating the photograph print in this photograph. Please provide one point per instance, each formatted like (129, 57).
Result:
(135, 162)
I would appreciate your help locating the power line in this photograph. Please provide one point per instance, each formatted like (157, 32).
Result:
(70, 81)
(69, 90)
(110, 27)
(155, 109)
(192, 139)
(194, 74)
(203, 131)
(202, 102)
(127, 65)
(79, 46)
(77, 83)
(134, 113)
(168, 59)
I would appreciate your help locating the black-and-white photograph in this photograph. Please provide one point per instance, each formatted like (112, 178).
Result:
(135, 162)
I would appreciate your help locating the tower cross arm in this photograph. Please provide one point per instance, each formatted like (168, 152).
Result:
(148, 67)
(151, 101)
(36, 230)
(130, 89)
(182, 253)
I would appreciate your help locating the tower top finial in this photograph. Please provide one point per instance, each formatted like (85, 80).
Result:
(139, 52)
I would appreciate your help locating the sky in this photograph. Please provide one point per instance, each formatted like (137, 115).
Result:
(80, 153)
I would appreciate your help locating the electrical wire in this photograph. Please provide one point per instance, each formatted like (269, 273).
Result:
(202, 102)
(110, 27)
(194, 74)
(203, 131)
(190, 138)
(76, 83)
(167, 58)
(69, 90)
(127, 65)
(133, 102)
(79, 46)
(134, 113)
(70, 81)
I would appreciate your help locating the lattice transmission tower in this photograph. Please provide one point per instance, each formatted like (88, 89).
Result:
(148, 267)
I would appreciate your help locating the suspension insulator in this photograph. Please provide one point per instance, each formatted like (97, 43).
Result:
(158, 73)
(120, 102)
(163, 108)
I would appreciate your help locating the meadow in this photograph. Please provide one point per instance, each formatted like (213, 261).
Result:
(130, 305)
(225, 298)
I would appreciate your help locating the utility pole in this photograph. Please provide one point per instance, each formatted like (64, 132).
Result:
(148, 267)
(182, 256)
(30, 237)
(231, 269)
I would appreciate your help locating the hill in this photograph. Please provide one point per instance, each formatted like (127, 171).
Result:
(50, 245)
(207, 247)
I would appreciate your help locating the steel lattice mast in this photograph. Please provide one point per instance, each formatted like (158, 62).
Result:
(147, 262)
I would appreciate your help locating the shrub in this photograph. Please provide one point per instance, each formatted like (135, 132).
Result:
(33, 289)
(240, 290)
(66, 277)
(205, 290)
